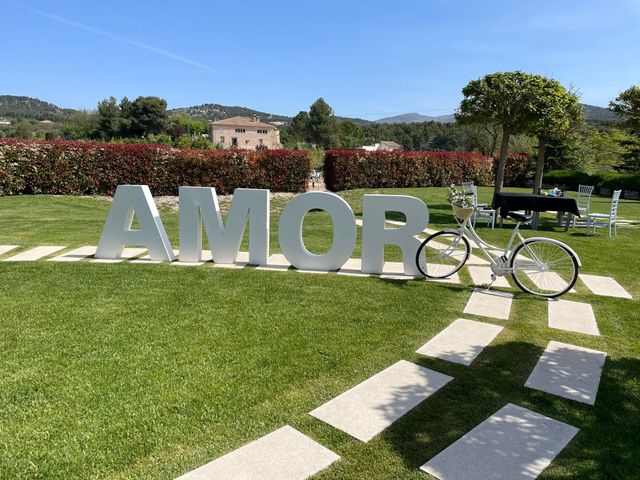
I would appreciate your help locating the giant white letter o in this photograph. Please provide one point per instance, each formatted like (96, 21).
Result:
(344, 231)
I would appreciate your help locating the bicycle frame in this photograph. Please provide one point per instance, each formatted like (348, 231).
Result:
(500, 264)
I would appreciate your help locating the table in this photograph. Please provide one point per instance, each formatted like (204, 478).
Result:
(511, 202)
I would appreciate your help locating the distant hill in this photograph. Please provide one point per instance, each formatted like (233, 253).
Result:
(17, 107)
(416, 118)
(214, 111)
(591, 112)
(599, 114)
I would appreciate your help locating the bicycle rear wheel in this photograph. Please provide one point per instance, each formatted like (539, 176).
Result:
(442, 254)
(544, 268)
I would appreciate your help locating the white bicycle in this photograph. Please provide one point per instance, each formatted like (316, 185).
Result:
(540, 266)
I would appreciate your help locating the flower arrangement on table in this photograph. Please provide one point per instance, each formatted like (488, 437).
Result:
(462, 207)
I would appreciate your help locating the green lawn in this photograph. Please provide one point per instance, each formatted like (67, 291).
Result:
(148, 371)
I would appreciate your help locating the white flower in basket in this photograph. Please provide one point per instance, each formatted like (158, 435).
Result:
(462, 207)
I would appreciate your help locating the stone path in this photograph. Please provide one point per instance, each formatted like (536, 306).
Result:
(373, 405)
(572, 316)
(76, 254)
(568, 371)
(34, 254)
(482, 276)
(461, 342)
(489, 303)
(285, 454)
(127, 254)
(605, 286)
(7, 248)
(276, 262)
(514, 443)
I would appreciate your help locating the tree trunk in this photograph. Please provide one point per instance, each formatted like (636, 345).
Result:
(537, 182)
(502, 160)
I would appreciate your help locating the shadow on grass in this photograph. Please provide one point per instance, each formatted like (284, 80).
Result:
(605, 448)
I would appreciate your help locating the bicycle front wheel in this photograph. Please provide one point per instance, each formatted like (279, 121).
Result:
(442, 254)
(544, 268)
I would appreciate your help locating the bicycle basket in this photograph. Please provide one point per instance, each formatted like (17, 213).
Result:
(463, 213)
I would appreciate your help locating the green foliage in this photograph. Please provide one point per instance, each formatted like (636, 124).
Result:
(571, 179)
(148, 115)
(323, 128)
(505, 99)
(109, 118)
(24, 130)
(350, 134)
(627, 105)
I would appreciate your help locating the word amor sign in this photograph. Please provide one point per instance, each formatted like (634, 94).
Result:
(199, 208)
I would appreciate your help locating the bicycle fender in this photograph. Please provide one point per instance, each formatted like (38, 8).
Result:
(557, 242)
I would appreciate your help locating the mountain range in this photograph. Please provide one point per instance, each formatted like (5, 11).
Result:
(21, 107)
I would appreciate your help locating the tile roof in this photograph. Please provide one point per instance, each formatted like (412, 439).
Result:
(242, 122)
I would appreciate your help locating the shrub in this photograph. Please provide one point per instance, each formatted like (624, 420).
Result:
(83, 168)
(348, 169)
(519, 169)
(571, 179)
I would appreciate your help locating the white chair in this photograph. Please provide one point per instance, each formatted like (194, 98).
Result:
(606, 219)
(583, 201)
(482, 212)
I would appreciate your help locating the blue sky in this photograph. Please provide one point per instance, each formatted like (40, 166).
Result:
(368, 59)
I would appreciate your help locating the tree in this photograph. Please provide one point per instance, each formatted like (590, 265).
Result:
(298, 131)
(557, 112)
(148, 115)
(24, 130)
(351, 135)
(109, 118)
(627, 105)
(322, 124)
(503, 99)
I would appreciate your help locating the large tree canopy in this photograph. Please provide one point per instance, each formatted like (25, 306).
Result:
(557, 113)
(504, 99)
(323, 128)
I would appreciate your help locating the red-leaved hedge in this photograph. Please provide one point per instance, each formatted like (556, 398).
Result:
(84, 168)
(347, 169)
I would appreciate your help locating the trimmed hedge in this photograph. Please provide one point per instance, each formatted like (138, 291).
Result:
(347, 169)
(83, 168)
(571, 179)
(519, 169)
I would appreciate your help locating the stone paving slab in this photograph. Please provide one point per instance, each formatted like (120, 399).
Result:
(285, 454)
(489, 303)
(476, 260)
(461, 342)
(549, 281)
(482, 276)
(76, 255)
(147, 259)
(7, 248)
(353, 268)
(368, 408)
(605, 286)
(34, 254)
(394, 271)
(568, 371)
(127, 254)
(514, 443)
(572, 316)
(206, 257)
(453, 279)
(276, 262)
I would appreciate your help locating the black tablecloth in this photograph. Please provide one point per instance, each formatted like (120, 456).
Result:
(511, 202)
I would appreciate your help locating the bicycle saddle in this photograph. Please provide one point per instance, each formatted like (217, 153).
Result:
(519, 217)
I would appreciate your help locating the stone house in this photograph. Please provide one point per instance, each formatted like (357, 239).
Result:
(246, 133)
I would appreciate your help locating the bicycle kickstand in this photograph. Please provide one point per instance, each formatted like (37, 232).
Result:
(493, 279)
